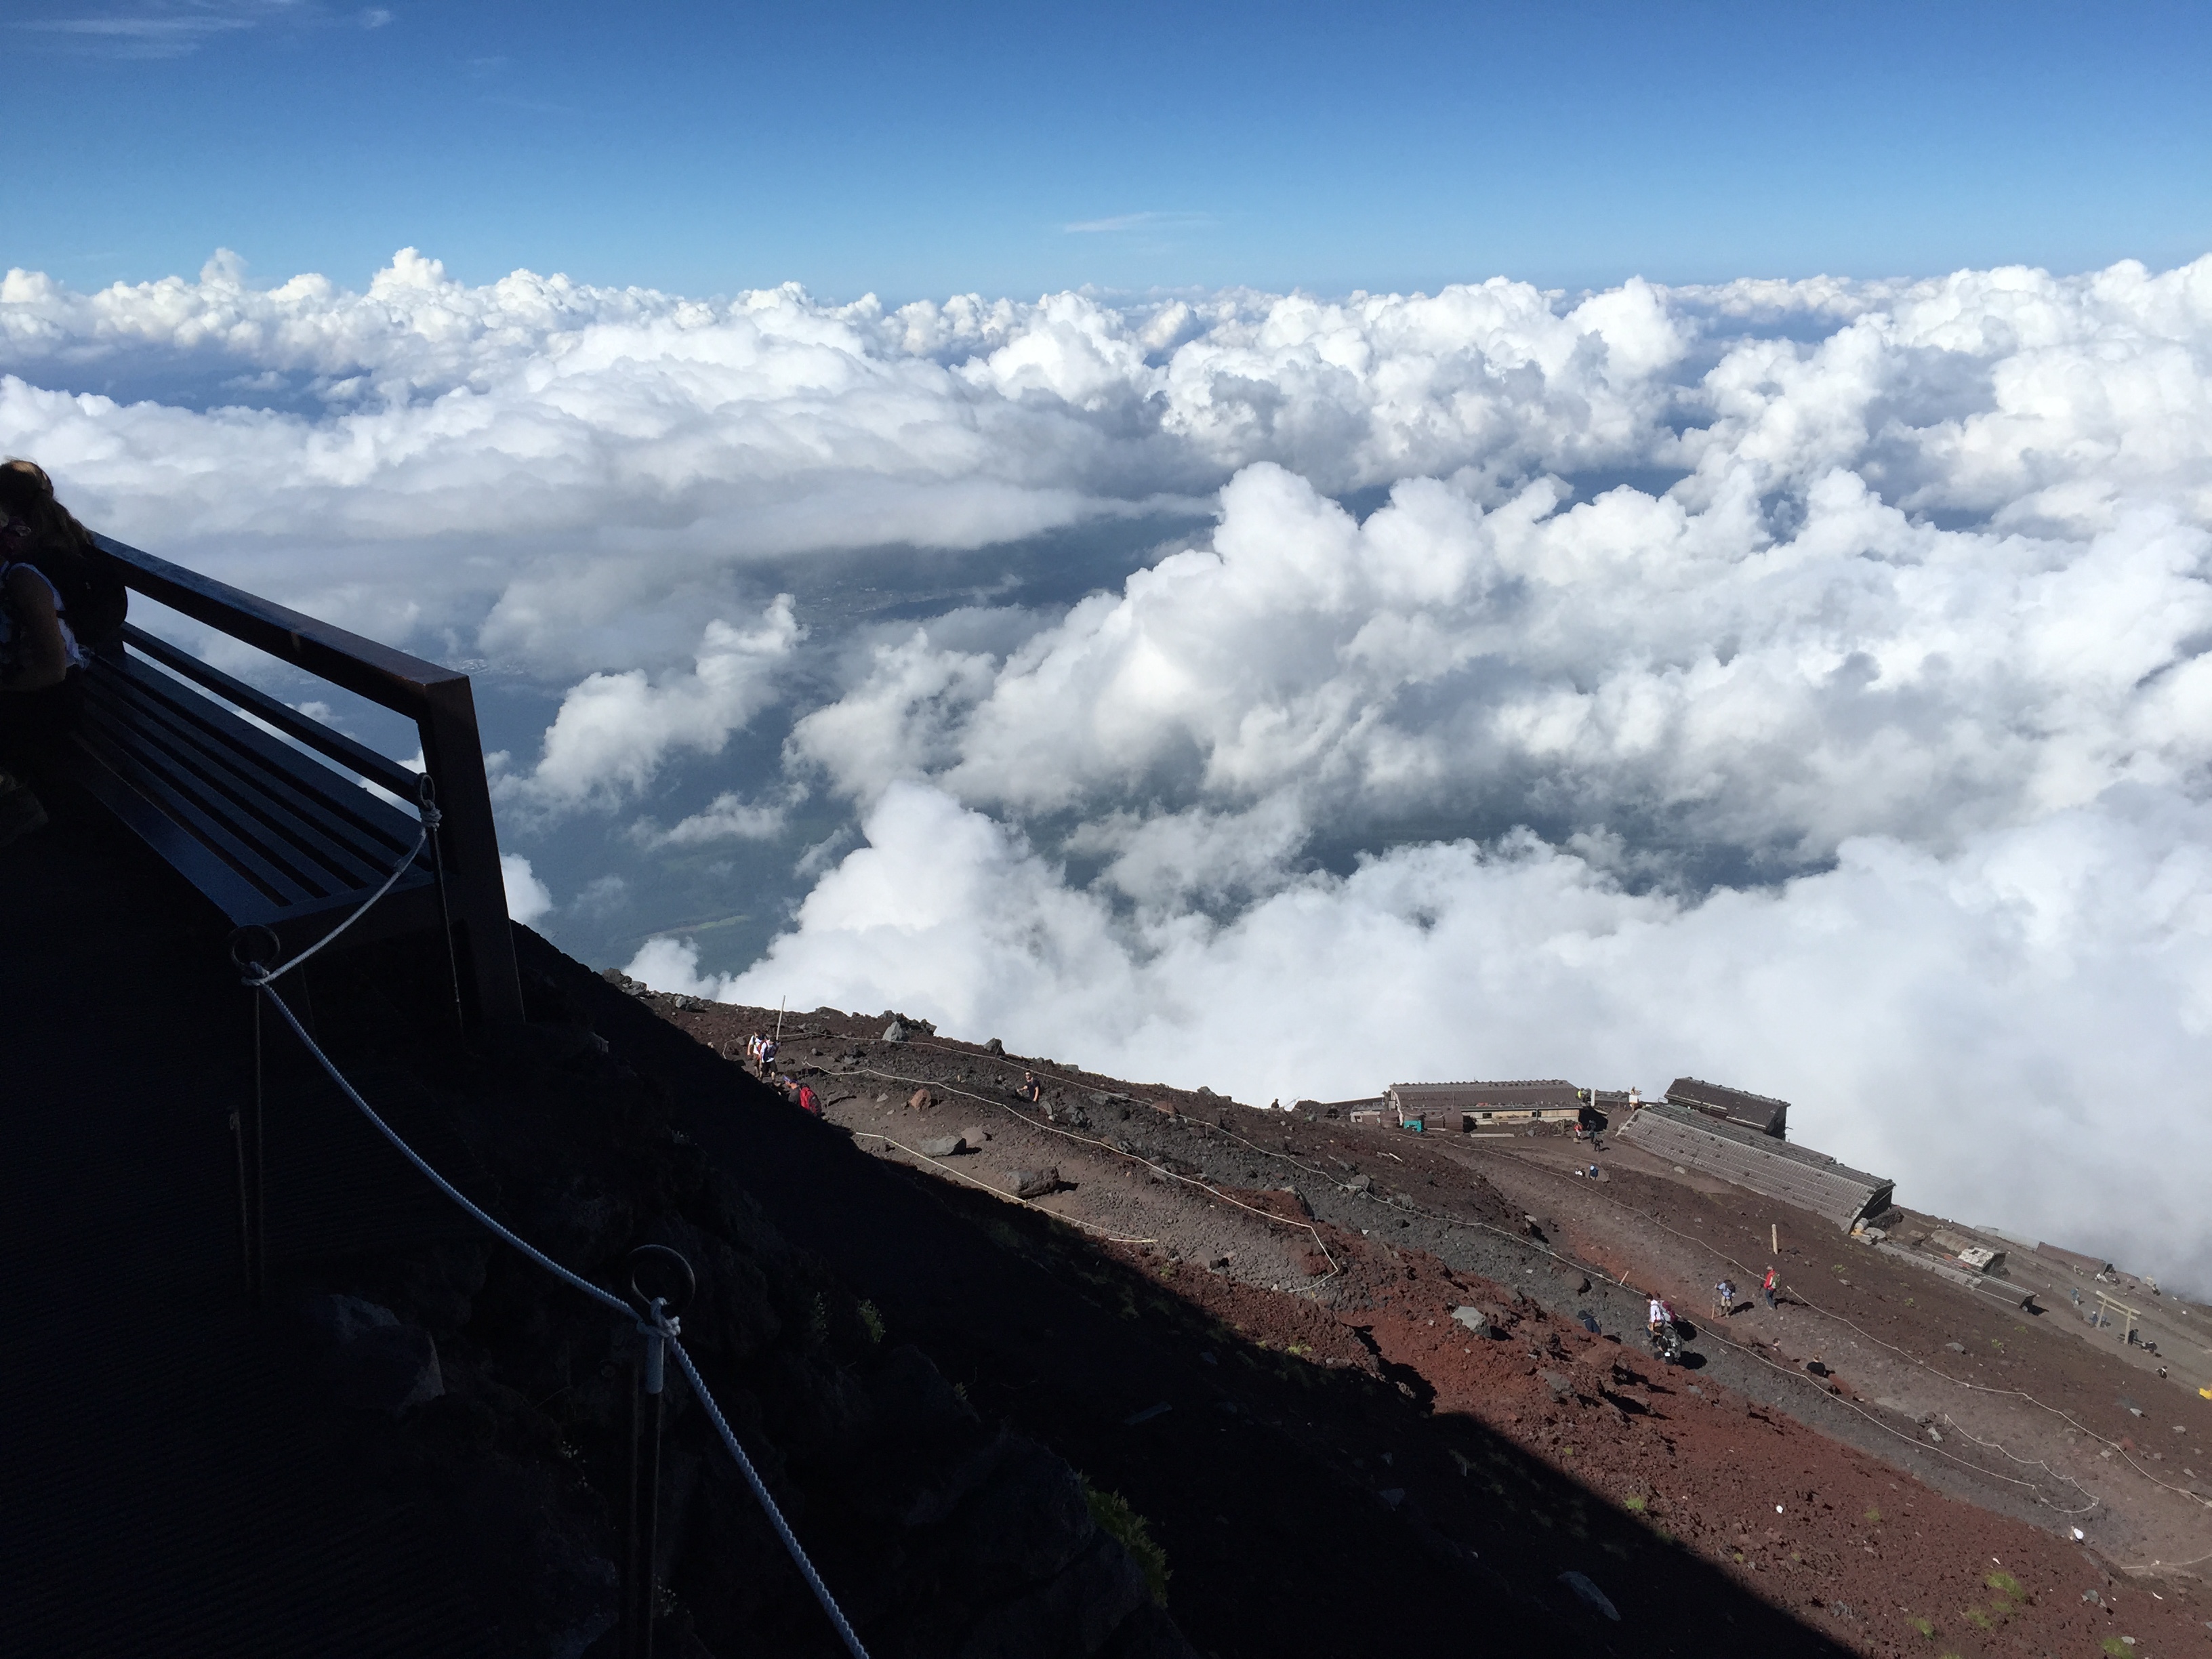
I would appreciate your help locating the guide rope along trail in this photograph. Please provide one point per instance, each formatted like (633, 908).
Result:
(656, 1327)
(1011, 1198)
(2058, 1412)
(1211, 1191)
(2030, 1486)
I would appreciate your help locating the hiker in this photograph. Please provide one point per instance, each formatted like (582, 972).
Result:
(42, 549)
(1766, 1286)
(809, 1102)
(1031, 1091)
(768, 1051)
(1660, 1316)
(1724, 1300)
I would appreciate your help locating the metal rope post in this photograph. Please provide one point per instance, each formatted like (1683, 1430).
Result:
(426, 795)
(671, 1275)
(662, 1282)
(247, 1133)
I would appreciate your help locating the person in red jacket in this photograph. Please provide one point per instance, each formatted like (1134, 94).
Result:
(1766, 1286)
(809, 1102)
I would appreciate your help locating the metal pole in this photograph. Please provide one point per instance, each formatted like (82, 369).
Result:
(248, 947)
(656, 1349)
(662, 1284)
(453, 753)
(255, 1234)
(633, 1602)
(426, 793)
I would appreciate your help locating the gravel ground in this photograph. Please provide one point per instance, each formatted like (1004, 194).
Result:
(1349, 1248)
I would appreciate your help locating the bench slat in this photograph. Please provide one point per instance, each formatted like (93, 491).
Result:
(384, 829)
(173, 842)
(288, 822)
(278, 888)
(269, 836)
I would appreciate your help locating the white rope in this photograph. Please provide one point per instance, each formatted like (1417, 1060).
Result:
(430, 821)
(607, 1297)
(774, 1514)
(654, 1324)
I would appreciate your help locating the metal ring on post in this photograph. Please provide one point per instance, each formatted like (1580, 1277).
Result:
(659, 1274)
(250, 963)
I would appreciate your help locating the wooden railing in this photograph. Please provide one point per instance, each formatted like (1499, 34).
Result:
(437, 700)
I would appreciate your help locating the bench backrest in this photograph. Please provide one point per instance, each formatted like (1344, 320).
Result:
(438, 700)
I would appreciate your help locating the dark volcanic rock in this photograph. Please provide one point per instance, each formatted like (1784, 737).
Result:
(372, 1361)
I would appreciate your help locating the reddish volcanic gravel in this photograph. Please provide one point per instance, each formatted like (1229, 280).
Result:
(1837, 1537)
(1844, 1540)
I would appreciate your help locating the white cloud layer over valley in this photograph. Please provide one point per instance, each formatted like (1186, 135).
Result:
(1805, 686)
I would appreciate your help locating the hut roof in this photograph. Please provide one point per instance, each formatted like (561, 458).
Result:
(1796, 1174)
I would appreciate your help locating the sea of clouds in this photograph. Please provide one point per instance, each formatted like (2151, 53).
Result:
(1802, 685)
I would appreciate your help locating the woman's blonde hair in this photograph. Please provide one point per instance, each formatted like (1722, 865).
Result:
(28, 494)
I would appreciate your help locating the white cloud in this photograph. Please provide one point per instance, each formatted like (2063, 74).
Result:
(728, 816)
(167, 29)
(1845, 649)
(1146, 221)
(1994, 1027)
(527, 898)
(614, 730)
(1686, 676)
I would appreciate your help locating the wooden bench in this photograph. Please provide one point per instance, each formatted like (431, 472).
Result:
(272, 836)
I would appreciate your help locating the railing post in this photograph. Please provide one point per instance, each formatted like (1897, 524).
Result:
(662, 1283)
(452, 754)
(247, 946)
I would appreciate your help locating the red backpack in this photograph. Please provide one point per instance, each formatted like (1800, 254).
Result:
(807, 1102)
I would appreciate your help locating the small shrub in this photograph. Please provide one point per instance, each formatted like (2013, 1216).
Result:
(1635, 1504)
(873, 1321)
(1128, 1529)
(1925, 1627)
(1875, 1515)
(2005, 1584)
(1977, 1618)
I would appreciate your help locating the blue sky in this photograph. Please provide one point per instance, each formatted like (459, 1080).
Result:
(911, 150)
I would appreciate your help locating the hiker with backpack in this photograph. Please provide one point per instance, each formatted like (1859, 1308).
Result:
(58, 598)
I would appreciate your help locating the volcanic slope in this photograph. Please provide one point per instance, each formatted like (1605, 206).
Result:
(1301, 1257)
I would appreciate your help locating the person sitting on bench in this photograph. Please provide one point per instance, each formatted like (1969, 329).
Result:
(41, 664)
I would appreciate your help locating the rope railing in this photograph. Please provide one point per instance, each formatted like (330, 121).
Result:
(658, 1325)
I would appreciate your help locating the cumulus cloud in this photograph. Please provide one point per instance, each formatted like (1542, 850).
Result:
(1693, 678)
(614, 730)
(1988, 1026)
(527, 898)
(1803, 682)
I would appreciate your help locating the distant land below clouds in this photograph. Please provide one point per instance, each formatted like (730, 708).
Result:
(1806, 685)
